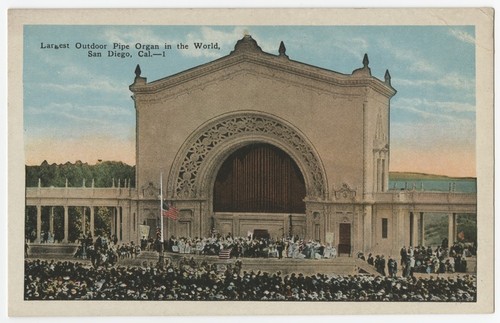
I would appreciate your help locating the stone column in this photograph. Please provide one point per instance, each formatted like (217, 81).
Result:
(126, 223)
(379, 175)
(84, 220)
(412, 229)
(286, 226)
(120, 224)
(113, 216)
(38, 223)
(92, 231)
(368, 228)
(422, 229)
(452, 230)
(386, 172)
(401, 232)
(66, 219)
(455, 233)
(51, 221)
(309, 234)
(416, 229)
(356, 229)
(197, 222)
(236, 226)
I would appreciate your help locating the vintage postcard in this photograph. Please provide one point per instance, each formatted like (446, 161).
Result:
(341, 159)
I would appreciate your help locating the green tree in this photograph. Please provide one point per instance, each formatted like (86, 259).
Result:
(30, 223)
(102, 221)
(102, 173)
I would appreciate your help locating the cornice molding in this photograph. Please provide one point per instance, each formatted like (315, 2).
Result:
(273, 62)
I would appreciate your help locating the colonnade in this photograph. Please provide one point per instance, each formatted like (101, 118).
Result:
(385, 229)
(417, 228)
(119, 222)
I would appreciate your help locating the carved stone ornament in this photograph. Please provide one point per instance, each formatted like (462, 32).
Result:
(380, 139)
(186, 214)
(244, 125)
(150, 190)
(345, 193)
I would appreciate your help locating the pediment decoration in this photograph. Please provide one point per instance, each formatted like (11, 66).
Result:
(150, 190)
(247, 43)
(345, 193)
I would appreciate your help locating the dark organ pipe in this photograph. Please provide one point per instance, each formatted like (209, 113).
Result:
(259, 178)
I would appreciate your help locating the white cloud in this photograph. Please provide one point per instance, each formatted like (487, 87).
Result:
(451, 80)
(75, 78)
(421, 113)
(141, 35)
(434, 133)
(413, 61)
(433, 123)
(436, 118)
(452, 106)
(96, 116)
(356, 46)
(204, 35)
(444, 106)
(101, 86)
(209, 35)
(457, 81)
(60, 122)
(463, 36)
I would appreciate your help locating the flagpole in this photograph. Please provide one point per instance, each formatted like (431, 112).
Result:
(161, 207)
(161, 257)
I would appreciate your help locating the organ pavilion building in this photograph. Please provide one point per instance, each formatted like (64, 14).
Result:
(256, 141)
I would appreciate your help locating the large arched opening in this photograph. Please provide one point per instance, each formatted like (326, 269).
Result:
(259, 178)
(208, 168)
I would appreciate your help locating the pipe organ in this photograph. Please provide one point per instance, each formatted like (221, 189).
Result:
(259, 178)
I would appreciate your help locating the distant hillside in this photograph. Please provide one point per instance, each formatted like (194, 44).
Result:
(405, 176)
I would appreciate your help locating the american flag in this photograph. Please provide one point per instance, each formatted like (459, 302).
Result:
(169, 211)
(225, 253)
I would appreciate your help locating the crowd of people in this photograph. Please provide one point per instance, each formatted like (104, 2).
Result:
(105, 279)
(56, 280)
(105, 251)
(249, 247)
(442, 259)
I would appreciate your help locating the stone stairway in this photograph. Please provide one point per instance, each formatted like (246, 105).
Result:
(365, 268)
(55, 250)
(339, 265)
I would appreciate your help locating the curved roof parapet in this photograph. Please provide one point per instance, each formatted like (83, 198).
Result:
(138, 78)
(365, 70)
(247, 43)
(387, 78)
(282, 50)
(247, 49)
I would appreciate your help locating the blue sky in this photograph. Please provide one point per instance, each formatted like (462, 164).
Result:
(79, 108)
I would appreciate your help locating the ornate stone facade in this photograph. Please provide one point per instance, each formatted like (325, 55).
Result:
(334, 126)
